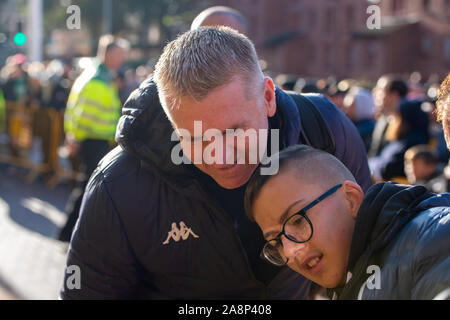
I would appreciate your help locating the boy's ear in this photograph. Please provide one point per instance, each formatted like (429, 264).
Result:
(354, 196)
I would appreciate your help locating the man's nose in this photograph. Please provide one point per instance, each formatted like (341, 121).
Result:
(225, 156)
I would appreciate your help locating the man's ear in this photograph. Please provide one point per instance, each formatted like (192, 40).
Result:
(269, 97)
(354, 196)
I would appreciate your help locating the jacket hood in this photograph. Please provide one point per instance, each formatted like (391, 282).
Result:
(411, 112)
(145, 132)
(386, 208)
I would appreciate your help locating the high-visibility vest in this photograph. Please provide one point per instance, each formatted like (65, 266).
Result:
(93, 106)
(2, 112)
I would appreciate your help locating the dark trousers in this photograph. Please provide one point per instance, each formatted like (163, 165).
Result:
(91, 152)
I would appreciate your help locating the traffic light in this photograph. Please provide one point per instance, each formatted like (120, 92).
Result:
(19, 38)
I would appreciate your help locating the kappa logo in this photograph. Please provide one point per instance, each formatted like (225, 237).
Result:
(181, 233)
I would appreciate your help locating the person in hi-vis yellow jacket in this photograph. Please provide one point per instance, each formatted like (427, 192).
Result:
(2, 113)
(90, 120)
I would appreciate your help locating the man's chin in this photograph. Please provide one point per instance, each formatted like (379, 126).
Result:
(234, 181)
(231, 183)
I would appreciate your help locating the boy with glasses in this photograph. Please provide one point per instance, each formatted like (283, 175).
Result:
(392, 243)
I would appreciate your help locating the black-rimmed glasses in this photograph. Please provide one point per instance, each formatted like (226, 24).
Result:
(297, 228)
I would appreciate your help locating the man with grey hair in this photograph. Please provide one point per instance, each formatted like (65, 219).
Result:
(152, 226)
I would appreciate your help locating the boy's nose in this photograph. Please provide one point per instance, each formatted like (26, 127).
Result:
(292, 249)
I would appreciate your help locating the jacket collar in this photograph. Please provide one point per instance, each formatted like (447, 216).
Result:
(385, 210)
(287, 119)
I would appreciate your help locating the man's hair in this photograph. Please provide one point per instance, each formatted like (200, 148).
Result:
(310, 166)
(443, 98)
(108, 42)
(201, 60)
(423, 152)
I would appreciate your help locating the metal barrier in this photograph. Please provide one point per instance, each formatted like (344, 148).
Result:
(25, 123)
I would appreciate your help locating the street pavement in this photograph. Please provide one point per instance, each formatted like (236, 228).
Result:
(32, 262)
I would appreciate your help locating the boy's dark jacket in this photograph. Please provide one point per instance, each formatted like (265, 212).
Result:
(405, 231)
(137, 195)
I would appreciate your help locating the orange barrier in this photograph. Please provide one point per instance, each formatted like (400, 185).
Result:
(24, 124)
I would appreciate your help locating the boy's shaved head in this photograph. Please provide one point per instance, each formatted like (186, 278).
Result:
(310, 166)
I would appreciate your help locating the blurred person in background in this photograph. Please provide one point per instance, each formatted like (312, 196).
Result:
(129, 80)
(303, 85)
(93, 109)
(336, 92)
(360, 108)
(56, 85)
(416, 87)
(2, 113)
(388, 94)
(221, 16)
(120, 83)
(409, 127)
(36, 76)
(51, 93)
(423, 168)
(421, 164)
(285, 81)
(14, 79)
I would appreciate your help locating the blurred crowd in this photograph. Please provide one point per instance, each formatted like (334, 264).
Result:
(396, 119)
(30, 90)
(48, 83)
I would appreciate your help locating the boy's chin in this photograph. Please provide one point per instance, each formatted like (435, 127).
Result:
(329, 282)
(334, 282)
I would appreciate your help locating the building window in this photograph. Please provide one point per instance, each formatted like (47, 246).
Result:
(312, 18)
(371, 54)
(397, 5)
(427, 45)
(353, 56)
(350, 17)
(311, 54)
(330, 20)
(447, 48)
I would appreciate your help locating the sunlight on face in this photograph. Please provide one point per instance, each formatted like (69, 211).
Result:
(231, 106)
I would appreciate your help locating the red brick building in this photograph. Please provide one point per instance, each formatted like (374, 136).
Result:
(320, 38)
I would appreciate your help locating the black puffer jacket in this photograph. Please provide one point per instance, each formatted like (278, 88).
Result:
(404, 233)
(149, 229)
